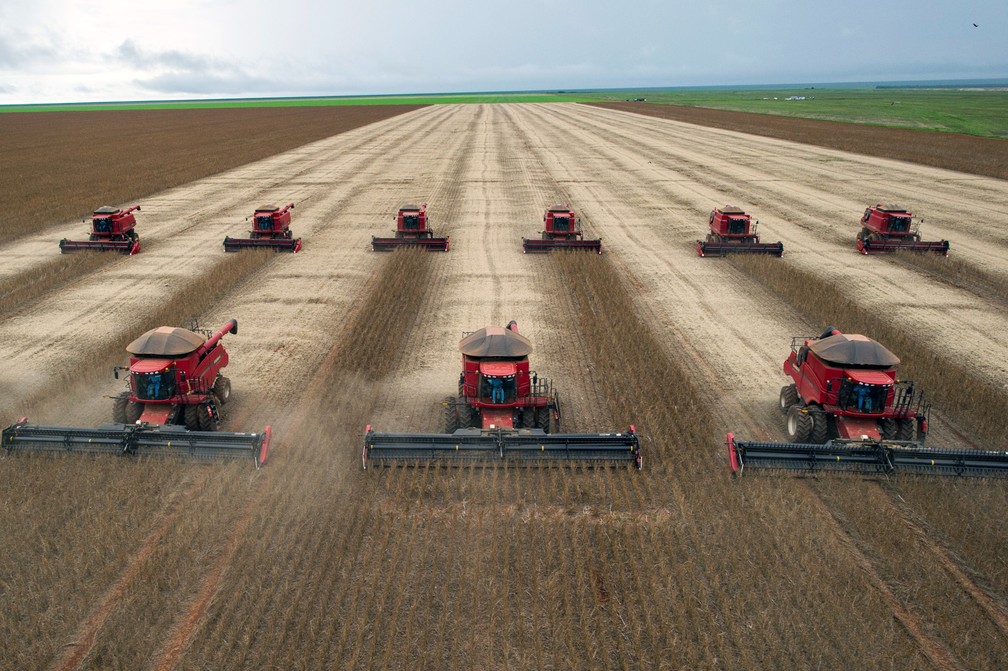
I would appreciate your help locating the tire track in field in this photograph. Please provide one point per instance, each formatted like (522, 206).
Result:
(88, 631)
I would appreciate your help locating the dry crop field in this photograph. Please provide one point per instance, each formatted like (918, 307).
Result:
(313, 563)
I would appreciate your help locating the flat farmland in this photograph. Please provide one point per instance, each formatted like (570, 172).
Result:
(312, 562)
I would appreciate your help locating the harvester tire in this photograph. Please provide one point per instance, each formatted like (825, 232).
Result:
(543, 419)
(799, 424)
(133, 411)
(191, 414)
(820, 425)
(222, 389)
(451, 418)
(119, 408)
(888, 428)
(905, 431)
(465, 413)
(788, 397)
(209, 414)
(528, 418)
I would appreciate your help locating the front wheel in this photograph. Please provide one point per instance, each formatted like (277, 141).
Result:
(799, 424)
(451, 415)
(209, 414)
(119, 408)
(905, 429)
(820, 425)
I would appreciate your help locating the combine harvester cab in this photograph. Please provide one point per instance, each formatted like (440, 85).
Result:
(412, 230)
(732, 231)
(270, 230)
(503, 413)
(173, 406)
(112, 230)
(847, 411)
(561, 230)
(890, 228)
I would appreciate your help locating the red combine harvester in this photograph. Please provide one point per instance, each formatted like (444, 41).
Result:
(112, 229)
(847, 410)
(270, 230)
(173, 406)
(502, 412)
(890, 228)
(733, 232)
(562, 230)
(411, 231)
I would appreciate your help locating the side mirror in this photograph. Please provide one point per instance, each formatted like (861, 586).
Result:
(115, 373)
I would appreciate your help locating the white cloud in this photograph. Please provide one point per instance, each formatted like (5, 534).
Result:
(53, 50)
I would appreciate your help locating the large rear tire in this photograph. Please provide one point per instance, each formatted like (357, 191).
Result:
(119, 408)
(820, 425)
(799, 424)
(788, 397)
(222, 389)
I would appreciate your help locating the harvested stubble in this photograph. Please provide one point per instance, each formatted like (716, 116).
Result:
(69, 163)
(951, 151)
(16, 292)
(953, 387)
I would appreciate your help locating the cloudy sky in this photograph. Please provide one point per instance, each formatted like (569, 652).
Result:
(65, 50)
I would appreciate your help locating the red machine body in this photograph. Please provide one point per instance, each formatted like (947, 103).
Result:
(845, 386)
(561, 230)
(890, 228)
(496, 387)
(112, 229)
(733, 231)
(412, 230)
(270, 230)
(175, 378)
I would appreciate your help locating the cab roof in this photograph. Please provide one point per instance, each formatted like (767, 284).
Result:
(495, 341)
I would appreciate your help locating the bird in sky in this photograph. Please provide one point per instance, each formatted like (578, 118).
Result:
(975, 25)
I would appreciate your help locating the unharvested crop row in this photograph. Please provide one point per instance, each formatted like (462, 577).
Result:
(968, 399)
(69, 163)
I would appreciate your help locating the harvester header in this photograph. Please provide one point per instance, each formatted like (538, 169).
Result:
(503, 413)
(270, 230)
(412, 230)
(112, 230)
(732, 231)
(561, 230)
